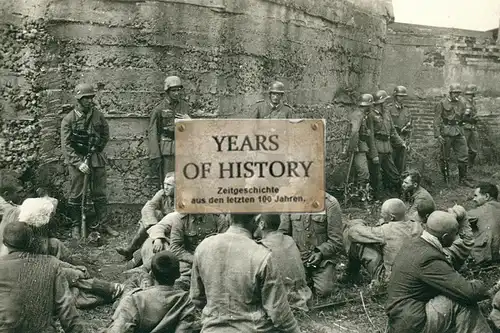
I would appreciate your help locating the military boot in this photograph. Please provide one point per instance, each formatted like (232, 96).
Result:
(139, 238)
(446, 174)
(472, 159)
(74, 216)
(462, 176)
(101, 210)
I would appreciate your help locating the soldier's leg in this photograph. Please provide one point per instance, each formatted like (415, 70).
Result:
(58, 249)
(75, 199)
(392, 178)
(94, 292)
(375, 178)
(324, 279)
(99, 197)
(354, 254)
(139, 238)
(397, 157)
(472, 146)
(362, 173)
(460, 148)
(444, 157)
(184, 281)
(168, 165)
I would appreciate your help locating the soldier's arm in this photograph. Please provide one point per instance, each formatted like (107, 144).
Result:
(148, 212)
(368, 235)
(67, 150)
(153, 135)
(104, 136)
(437, 120)
(177, 242)
(125, 318)
(286, 224)
(274, 298)
(372, 147)
(162, 230)
(64, 305)
(334, 243)
(197, 290)
(395, 138)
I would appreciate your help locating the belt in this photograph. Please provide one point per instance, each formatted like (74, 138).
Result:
(451, 122)
(382, 137)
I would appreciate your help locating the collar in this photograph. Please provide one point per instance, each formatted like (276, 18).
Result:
(78, 113)
(275, 107)
(234, 229)
(398, 105)
(433, 240)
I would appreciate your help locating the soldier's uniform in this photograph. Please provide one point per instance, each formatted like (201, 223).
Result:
(79, 134)
(485, 223)
(318, 232)
(263, 109)
(448, 116)
(238, 286)
(385, 138)
(469, 123)
(402, 120)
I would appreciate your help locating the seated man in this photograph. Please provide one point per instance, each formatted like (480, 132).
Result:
(287, 257)
(485, 222)
(376, 247)
(9, 194)
(424, 209)
(425, 293)
(461, 248)
(414, 193)
(159, 308)
(33, 287)
(319, 239)
(153, 211)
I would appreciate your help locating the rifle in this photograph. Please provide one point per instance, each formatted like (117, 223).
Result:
(84, 195)
(407, 142)
(346, 184)
(446, 167)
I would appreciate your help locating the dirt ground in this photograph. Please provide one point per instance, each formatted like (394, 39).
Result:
(352, 316)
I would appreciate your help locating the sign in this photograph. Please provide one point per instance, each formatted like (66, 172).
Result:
(249, 166)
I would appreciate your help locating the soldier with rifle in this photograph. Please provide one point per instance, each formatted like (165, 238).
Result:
(84, 134)
(274, 107)
(403, 122)
(469, 122)
(448, 117)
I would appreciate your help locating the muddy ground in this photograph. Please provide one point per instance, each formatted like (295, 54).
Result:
(347, 317)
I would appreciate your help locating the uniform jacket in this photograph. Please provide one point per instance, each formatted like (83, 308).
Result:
(448, 116)
(287, 258)
(236, 283)
(401, 117)
(33, 289)
(316, 231)
(98, 127)
(390, 236)
(155, 309)
(420, 195)
(421, 272)
(161, 129)
(362, 139)
(485, 222)
(155, 209)
(470, 120)
(264, 110)
(187, 231)
(384, 132)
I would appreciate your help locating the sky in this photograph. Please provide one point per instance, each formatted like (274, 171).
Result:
(479, 15)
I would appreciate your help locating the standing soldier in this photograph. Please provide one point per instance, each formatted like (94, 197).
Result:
(84, 132)
(385, 138)
(401, 117)
(362, 142)
(161, 131)
(274, 108)
(448, 115)
(470, 121)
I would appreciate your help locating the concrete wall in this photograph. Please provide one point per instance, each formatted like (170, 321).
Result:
(226, 51)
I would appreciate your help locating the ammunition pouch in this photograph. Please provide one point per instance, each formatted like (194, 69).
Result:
(80, 142)
(167, 132)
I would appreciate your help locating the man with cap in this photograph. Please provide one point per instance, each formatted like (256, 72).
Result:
(237, 284)
(402, 119)
(274, 108)
(159, 308)
(385, 138)
(469, 122)
(153, 211)
(426, 294)
(376, 247)
(448, 116)
(485, 222)
(414, 193)
(84, 135)
(361, 142)
(33, 288)
(319, 239)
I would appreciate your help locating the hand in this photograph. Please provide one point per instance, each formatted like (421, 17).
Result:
(159, 195)
(83, 167)
(157, 245)
(83, 269)
(315, 258)
(376, 160)
(182, 116)
(440, 139)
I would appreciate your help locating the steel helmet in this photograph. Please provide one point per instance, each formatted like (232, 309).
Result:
(470, 89)
(455, 87)
(380, 97)
(366, 100)
(84, 89)
(277, 87)
(400, 91)
(171, 82)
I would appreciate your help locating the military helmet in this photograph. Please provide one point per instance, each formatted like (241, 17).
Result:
(455, 87)
(277, 87)
(380, 97)
(470, 89)
(171, 82)
(366, 100)
(84, 89)
(400, 91)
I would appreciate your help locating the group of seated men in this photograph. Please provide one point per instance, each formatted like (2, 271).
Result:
(213, 263)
